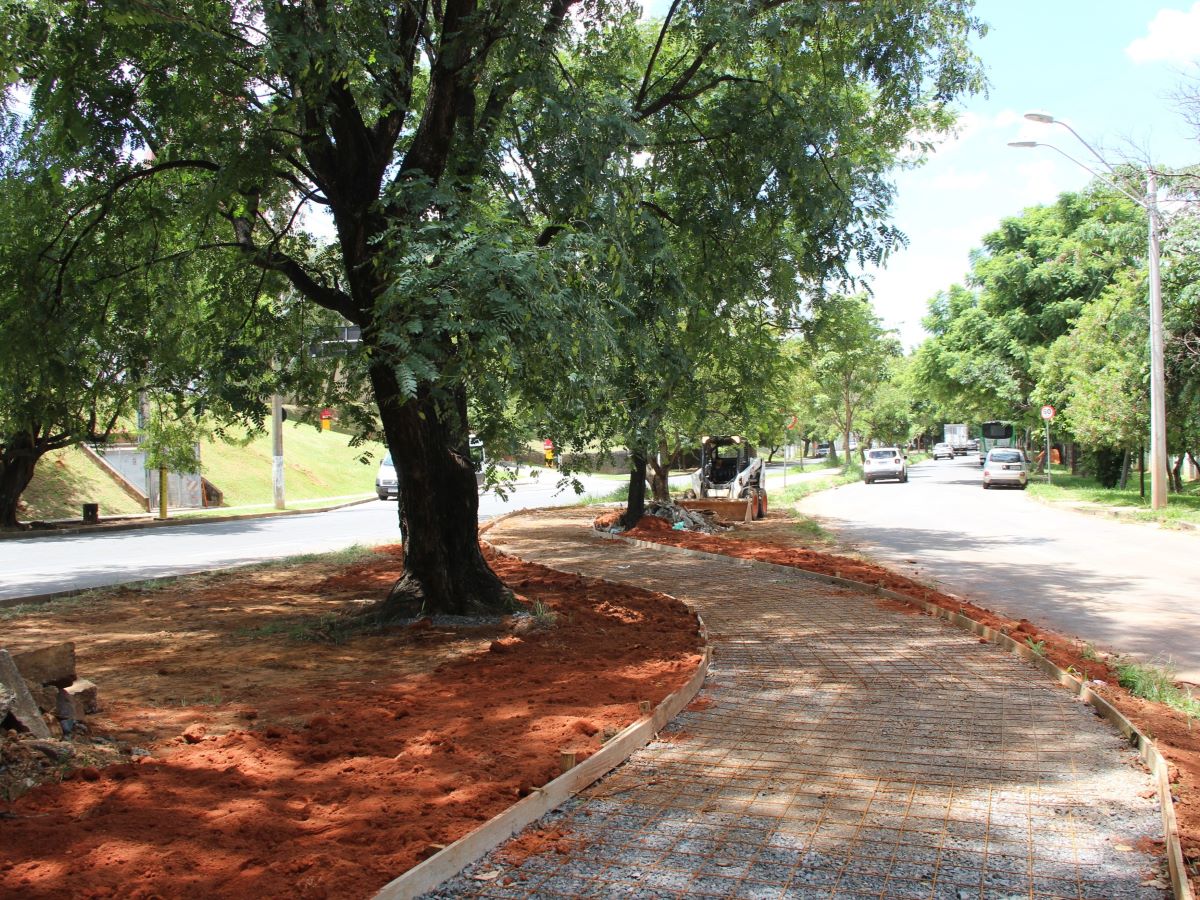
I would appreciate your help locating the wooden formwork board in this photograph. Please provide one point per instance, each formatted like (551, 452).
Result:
(447, 863)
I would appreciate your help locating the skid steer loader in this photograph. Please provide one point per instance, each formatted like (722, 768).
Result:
(729, 469)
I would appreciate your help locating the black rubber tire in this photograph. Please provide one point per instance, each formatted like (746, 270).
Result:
(986, 485)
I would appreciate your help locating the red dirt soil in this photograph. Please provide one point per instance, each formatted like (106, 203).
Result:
(357, 761)
(774, 540)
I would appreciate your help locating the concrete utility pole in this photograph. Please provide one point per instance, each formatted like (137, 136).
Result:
(1158, 392)
(277, 455)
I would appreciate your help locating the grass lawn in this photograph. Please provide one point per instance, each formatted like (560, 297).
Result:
(64, 480)
(793, 493)
(317, 464)
(1183, 507)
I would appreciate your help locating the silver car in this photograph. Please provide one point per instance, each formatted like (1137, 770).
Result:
(385, 480)
(1005, 465)
(942, 451)
(884, 462)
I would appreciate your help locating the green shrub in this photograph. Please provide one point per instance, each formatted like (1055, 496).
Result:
(1108, 462)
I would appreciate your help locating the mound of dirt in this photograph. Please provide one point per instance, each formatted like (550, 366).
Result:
(281, 766)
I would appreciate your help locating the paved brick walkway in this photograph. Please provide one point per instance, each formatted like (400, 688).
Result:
(841, 748)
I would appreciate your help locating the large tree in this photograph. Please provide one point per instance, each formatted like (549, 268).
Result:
(1029, 282)
(401, 119)
(852, 356)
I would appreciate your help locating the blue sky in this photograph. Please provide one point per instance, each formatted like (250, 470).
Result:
(1110, 68)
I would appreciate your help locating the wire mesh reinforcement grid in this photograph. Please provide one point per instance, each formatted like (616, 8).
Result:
(841, 749)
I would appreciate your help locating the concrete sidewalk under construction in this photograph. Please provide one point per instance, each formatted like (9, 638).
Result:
(842, 747)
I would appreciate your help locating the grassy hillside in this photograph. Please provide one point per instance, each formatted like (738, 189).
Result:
(65, 480)
(316, 465)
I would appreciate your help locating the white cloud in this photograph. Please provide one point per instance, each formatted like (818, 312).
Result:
(955, 180)
(1172, 36)
(969, 125)
(1040, 181)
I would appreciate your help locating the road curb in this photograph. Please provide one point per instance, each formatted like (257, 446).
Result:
(1155, 762)
(170, 523)
(447, 863)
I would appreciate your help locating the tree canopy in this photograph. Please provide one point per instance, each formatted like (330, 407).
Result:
(468, 154)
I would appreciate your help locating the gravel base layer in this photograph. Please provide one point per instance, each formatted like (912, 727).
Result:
(840, 748)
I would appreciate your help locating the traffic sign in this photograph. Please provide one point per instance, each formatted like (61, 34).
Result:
(1047, 412)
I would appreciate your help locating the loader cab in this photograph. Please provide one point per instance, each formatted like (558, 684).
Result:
(722, 458)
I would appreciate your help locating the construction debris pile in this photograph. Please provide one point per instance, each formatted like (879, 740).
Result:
(692, 519)
(43, 707)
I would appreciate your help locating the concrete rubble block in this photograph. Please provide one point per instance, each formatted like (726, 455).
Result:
(21, 705)
(44, 695)
(48, 665)
(82, 696)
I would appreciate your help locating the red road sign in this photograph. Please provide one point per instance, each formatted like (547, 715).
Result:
(1047, 412)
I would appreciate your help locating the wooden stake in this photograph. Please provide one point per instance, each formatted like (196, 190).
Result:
(566, 760)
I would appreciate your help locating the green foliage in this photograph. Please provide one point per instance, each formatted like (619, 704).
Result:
(1184, 507)
(106, 300)
(793, 493)
(543, 615)
(1157, 684)
(547, 213)
(1107, 464)
(1029, 283)
(851, 357)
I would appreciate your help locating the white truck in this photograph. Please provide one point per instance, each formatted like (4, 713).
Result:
(957, 437)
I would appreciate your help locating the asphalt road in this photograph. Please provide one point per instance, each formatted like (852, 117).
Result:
(1125, 587)
(46, 564)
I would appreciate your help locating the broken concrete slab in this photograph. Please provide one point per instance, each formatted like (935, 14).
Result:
(44, 695)
(48, 665)
(83, 698)
(21, 705)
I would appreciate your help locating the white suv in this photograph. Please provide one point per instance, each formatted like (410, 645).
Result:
(884, 462)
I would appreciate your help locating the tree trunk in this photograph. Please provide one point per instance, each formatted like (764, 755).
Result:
(1125, 468)
(1142, 471)
(635, 506)
(444, 570)
(659, 485)
(17, 462)
(1176, 478)
(660, 471)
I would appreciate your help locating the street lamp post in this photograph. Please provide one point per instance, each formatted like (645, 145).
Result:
(1158, 405)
